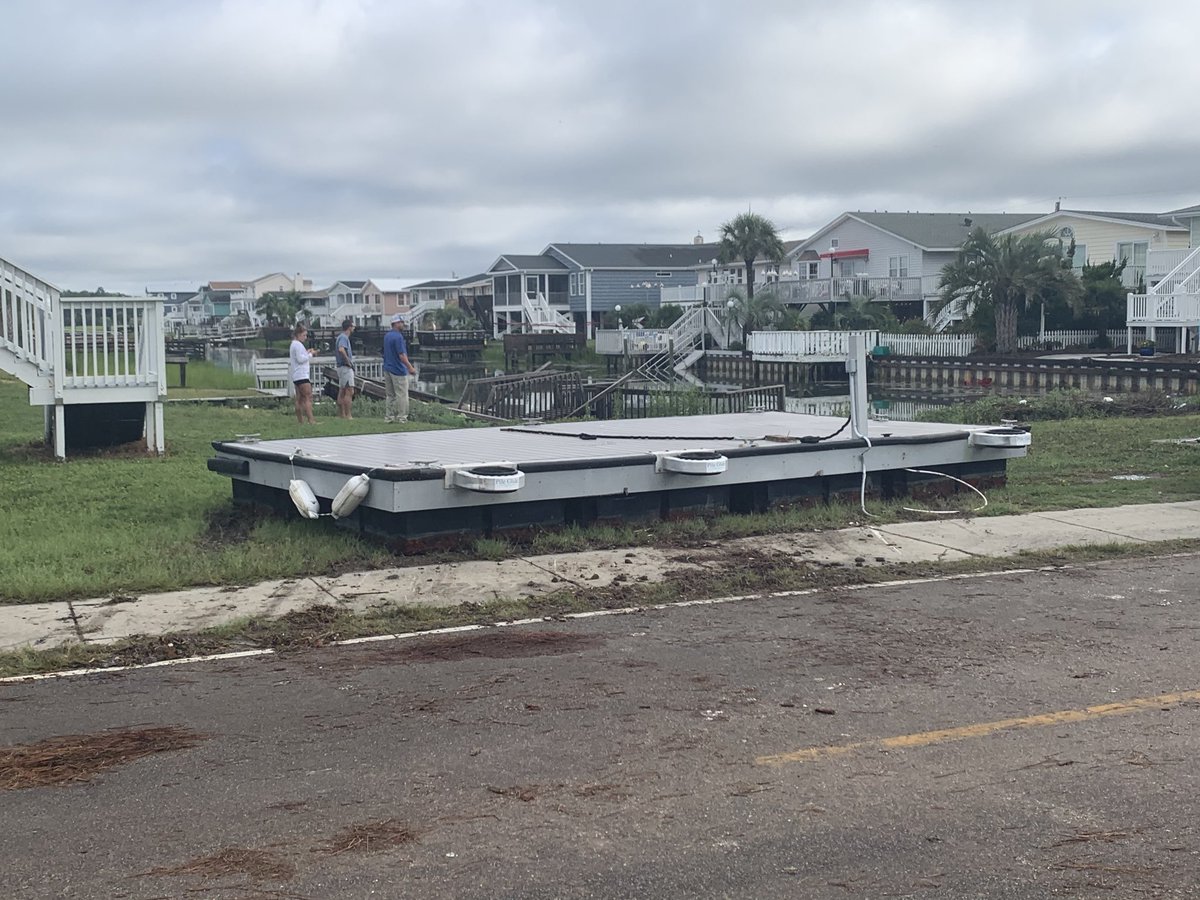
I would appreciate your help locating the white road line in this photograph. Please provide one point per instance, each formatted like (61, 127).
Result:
(538, 620)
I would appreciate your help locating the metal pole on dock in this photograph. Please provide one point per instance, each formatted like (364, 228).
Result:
(856, 368)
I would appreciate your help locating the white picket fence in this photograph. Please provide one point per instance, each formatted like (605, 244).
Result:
(1066, 338)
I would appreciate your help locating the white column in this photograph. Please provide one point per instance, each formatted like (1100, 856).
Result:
(856, 367)
(60, 431)
(587, 301)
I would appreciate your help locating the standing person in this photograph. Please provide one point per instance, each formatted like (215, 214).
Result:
(396, 369)
(345, 369)
(299, 358)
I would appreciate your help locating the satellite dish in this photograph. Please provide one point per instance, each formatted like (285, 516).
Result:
(1066, 232)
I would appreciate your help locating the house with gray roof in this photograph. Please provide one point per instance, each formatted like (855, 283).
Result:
(583, 281)
(1105, 236)
(891, 257)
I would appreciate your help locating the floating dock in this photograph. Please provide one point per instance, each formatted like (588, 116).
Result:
(430, 488)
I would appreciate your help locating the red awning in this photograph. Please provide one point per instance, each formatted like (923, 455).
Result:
(846, 254)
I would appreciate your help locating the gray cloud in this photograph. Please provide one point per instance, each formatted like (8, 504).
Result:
(198, 140)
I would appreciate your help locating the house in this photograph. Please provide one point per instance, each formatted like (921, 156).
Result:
(892, 257)
(395, 294)
(472, 294)
(568, 286)
(359, 301)
(1171, 298)
(1102, 237)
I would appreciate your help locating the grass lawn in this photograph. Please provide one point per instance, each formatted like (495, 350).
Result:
(126, 522)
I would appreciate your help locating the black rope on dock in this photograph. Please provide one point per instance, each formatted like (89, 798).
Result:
(774, 438)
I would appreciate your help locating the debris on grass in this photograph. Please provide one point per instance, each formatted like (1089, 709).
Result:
(80, 757)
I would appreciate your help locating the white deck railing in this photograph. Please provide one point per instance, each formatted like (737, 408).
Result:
(112, 342)
(1160, 262)
(27, 306)
(812, 345)
(1183, 279)
(949, 345)
(1168, 309)
(271, 375)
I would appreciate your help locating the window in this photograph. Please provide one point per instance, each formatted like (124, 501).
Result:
(573, 285)
(810, 270)
(897, 267)
(1080, 258)
(1133, 253)
(833, 242)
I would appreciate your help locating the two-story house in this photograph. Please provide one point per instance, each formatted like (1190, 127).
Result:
(579, 282)
(889, 257)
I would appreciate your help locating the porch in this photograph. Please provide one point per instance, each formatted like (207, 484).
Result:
(1171, 302)
(82, 351)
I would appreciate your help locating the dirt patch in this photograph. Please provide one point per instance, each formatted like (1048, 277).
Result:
(503, 643)
(259, 865)
(80, 757)
(228, 525)
(369, 837)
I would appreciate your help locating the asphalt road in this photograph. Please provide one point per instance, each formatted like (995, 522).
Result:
(1016, 736)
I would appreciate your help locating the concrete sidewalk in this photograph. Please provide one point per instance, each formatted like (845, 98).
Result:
(108, 619)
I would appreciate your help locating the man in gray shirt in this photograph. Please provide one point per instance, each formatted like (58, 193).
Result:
(345, 370)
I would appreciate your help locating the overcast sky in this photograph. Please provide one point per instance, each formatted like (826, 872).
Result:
(146, 141)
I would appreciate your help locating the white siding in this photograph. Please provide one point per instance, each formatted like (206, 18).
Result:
(1101, 237)
(855, 235)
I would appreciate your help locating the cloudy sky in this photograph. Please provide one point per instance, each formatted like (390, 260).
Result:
(147, 141)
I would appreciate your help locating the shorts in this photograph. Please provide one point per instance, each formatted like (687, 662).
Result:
(345, 377)
(302, 381)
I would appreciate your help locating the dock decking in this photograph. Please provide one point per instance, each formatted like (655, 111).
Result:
(430, 486)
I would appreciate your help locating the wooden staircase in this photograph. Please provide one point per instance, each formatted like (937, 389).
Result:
(83, 351)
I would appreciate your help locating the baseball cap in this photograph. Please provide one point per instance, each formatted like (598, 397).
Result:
(397, 318)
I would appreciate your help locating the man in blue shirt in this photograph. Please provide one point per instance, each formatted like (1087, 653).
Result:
(396, 369)
(345, 369)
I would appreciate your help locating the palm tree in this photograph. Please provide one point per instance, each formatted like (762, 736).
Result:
(1004, 274)
(281, 307)
(748, 237)
(752, 313)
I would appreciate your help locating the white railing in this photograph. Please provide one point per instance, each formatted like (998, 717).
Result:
(1183, 279)
(684, 295)
(1161, 262)
(112, 342)
(27, 309)
(1163, 309)
(810, 345)
(834, 290)
(540, 316)
(271, 375)
(947, 345)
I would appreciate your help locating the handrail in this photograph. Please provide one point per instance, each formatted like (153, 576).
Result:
(1179, 281)
(27, 310)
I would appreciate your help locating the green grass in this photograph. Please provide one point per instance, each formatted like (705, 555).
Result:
(127, 522)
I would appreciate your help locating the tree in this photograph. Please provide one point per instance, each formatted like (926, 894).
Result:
(752, 313)
(1002, 275)
(281, 307)
(746, 238)
(449, 318)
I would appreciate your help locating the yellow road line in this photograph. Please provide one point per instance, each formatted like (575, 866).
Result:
(982, 729)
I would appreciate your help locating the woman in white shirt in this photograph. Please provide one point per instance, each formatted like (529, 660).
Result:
(299, 358)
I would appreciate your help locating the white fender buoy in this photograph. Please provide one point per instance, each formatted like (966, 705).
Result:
(494, 478)
(1001, 437)
(691, 462)
(353, 492)
(304, 498)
